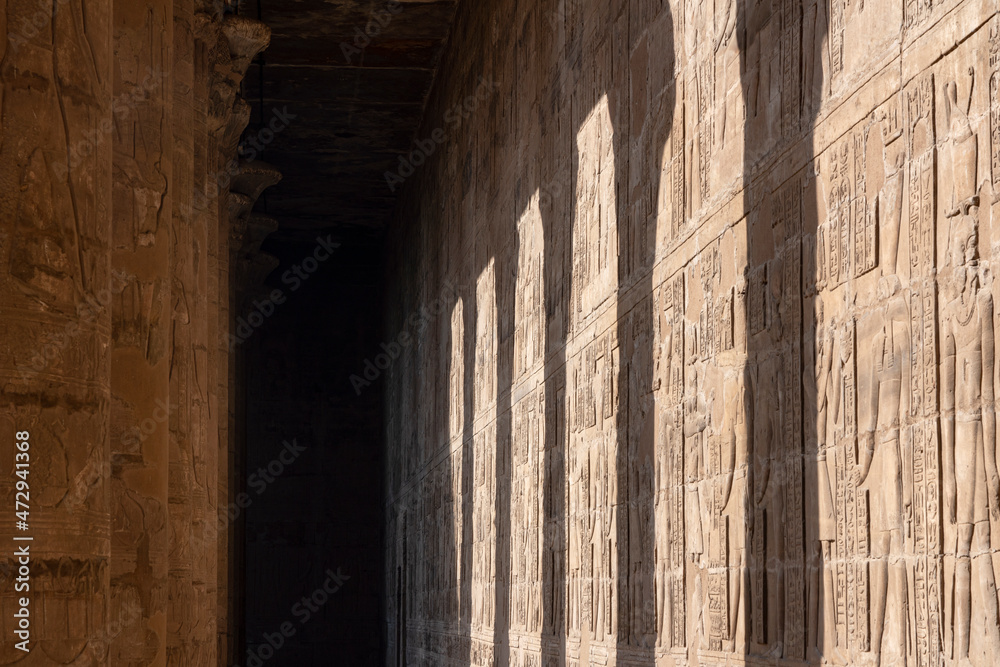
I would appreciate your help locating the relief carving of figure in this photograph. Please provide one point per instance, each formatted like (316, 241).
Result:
(733, 500)
(697, 429)
(768, 503)
(971, 483)
(822, 620)
(883, 450)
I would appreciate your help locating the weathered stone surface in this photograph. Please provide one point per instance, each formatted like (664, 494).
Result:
(56, 290)
(120, 121)
(717, 382)
(690, 349)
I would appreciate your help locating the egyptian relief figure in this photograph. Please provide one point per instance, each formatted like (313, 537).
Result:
(697, 427)
(971, 483)
(733, 504)
(767, 531)
(576, 529)
(663, 479)
(890, 197)
(882, 450)
(822, 620)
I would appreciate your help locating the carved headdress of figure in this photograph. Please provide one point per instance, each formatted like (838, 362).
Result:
(964, 150)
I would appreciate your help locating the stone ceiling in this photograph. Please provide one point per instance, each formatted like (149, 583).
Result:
(356, 105)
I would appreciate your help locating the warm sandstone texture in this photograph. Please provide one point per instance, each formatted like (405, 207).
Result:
(716, 377)
(117, 151)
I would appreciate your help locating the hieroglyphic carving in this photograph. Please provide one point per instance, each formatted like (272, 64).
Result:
(456, 384)
(526, 603)
(670, 533)
(767, 500)
(915, 12)
(838, 23)
(967, 398)
(791, 65)
(485, 383)
(795, 584)
(595, 235)
(921, 230)
(828, 418)
(529, 332)
(883, 460)
(674, 177)
(483, 533)
(994, 110)
(598, 440)
(850, 233)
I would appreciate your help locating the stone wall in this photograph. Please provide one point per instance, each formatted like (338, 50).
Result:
(118, 244)
(696, 338)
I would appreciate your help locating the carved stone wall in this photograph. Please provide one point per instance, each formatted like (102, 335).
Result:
(117, 152)
(703, 355)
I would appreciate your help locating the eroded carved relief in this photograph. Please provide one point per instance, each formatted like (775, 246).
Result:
(823, 471)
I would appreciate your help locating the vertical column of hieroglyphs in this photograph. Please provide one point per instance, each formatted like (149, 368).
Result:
(140, 354)
(219, 94)
(204, 214)
(456, 443)
(528, 407)
(669, 504)
(921, 227)
(57, 287)
(187, 319)
(190, 628)
(484, 395)
(592, 367)
(955, 221)
(713, 432)
(194, 454)
(224, 47)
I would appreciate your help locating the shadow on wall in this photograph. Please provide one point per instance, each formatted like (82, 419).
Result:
(785, 530)
(691, 384)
